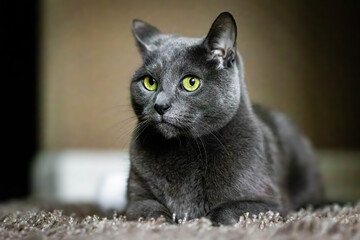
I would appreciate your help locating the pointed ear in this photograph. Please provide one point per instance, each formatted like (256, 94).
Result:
(221, 40)
(144, 33)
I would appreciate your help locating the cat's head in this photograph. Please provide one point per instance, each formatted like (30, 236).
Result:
(187, 86)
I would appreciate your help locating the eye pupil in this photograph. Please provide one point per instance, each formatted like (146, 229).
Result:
(151, 81)
(190, 84)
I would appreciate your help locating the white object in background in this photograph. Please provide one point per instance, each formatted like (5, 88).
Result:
(80, 176)
(111, 191)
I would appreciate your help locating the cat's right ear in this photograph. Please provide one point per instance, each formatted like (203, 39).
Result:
(144, 33)
(221, 40)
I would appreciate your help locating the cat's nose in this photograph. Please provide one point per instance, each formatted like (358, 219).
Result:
(161, 108)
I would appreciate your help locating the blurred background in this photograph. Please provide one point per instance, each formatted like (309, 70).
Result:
(70, 63)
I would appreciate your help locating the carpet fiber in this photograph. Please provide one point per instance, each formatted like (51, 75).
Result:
(21, 220)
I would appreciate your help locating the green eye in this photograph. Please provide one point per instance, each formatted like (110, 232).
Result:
(150, 83)
(191, 83)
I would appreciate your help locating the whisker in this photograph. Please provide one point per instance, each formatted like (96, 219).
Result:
(188, 130)
(122, 124)
(203, 145)
(142, 126)
(213, 134)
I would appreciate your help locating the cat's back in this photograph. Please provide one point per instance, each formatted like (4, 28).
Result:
(279, 124)
(285, 132)
(299, 166)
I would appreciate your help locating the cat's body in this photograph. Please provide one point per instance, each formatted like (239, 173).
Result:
(209, 152)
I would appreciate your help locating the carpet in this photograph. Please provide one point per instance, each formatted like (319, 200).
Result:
(24, 220)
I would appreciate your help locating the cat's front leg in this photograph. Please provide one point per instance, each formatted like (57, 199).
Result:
(147, 209)
(228, 213)
(141, 202)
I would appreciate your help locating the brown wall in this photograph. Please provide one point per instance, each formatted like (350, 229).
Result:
(299, 58)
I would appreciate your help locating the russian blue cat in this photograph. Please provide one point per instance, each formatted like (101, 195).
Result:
(200, 148)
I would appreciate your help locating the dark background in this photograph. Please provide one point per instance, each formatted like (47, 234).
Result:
(332, 34)
(19, 93)
(334, 93)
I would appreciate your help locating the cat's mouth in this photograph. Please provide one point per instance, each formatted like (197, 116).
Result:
(164, 121)
(167, 128)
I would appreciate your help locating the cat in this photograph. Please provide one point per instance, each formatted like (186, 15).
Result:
(200, 148)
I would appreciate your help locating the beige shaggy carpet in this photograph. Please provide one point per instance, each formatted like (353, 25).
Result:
(21, 220)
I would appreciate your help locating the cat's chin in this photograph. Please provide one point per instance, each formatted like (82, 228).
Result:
(167, 130)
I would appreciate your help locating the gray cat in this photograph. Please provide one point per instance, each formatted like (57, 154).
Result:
(200, 148)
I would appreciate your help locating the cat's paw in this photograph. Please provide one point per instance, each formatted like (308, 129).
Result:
(161, 216)
(220, 216)
(229, 213)
(156, 215)
(147, 209)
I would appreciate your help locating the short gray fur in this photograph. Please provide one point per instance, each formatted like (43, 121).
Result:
(211, 153)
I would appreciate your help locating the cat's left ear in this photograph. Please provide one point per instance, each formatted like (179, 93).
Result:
(144, 34)
(221, 40)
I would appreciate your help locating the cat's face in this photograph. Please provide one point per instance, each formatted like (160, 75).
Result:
(186, 86)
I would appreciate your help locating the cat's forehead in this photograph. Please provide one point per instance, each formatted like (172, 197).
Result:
(171, 51)
(171, 47)
(175, 42)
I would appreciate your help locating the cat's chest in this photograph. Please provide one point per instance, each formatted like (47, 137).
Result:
(185, 197)
(186, 181)
(178, 180)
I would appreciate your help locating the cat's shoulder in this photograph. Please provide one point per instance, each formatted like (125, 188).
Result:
(277, 121)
